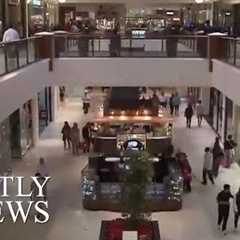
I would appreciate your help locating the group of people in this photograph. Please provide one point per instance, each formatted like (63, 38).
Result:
(215, 157)
(225, 156)
(71, 137)
(189, 112)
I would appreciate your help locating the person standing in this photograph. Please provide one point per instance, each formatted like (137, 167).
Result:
(115, 43)
(188, 115)
(236, 208)
(217, 156)
(163, 100)
(223, 200)
(199, 112)
(207, 166)
(176, 103)
(229, 149)
(10, 34)
(75, 138)
(62, 93)
(66, 135)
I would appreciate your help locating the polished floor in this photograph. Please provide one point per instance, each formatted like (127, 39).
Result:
(69, 221)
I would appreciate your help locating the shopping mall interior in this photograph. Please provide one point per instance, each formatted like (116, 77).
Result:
(131, 108)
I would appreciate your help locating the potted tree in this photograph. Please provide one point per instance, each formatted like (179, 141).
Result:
(136, 214)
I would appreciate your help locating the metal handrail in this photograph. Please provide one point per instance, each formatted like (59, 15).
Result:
(12, 56)
(128, 36)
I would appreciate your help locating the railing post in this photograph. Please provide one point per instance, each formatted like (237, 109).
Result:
(46, 47)
(235, 52)
(216, 48)
(5, 58)
(27, 53)
(17, 55)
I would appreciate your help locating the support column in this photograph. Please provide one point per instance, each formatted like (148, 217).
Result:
(205, 97)
(54, 93)
(223, 118)
(35, 120)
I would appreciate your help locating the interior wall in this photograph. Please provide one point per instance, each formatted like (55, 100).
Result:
(18, 87)
(152, 72)
(226, 79)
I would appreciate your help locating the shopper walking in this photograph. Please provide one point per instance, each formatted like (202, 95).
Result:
(86, 102)
(42, 168)
(229, 149)
(191, 99)
(207, 166)
(66, 135)
(223, 200)
(199, 112)
(176, 103)
(35, 190)
(86, 134)
(217, 156)
(75, 138)
(171, 104)
(186, 171)
(236, 208)
(188, 115)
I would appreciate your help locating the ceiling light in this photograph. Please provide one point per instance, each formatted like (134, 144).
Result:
(170, 13)
(61, 1)
(199, 1)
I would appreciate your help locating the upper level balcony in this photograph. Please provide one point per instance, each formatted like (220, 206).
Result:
(114, 45)
(18, 54)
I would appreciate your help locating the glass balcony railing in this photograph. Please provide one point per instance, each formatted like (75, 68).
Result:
(17, 54)
(79, 45)
(232, 51)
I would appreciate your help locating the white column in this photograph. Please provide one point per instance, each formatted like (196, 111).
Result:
(54, 103)
(224, 117)
(205, 97)
(35, 120)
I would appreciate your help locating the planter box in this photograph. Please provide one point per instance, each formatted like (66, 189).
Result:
(104, 235)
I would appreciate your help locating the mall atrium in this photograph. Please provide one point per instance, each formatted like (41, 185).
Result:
(119, 119)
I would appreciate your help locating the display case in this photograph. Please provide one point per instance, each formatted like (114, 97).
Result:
(161, 196)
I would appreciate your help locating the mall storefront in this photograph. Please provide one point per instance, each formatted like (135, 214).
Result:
(45, 108)
(221, 114)
(21, 131)
(16, 134)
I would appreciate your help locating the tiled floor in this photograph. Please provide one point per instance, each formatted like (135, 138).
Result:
(69, 221)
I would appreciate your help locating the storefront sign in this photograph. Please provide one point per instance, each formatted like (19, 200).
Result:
(13, 2)
(37, 2)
